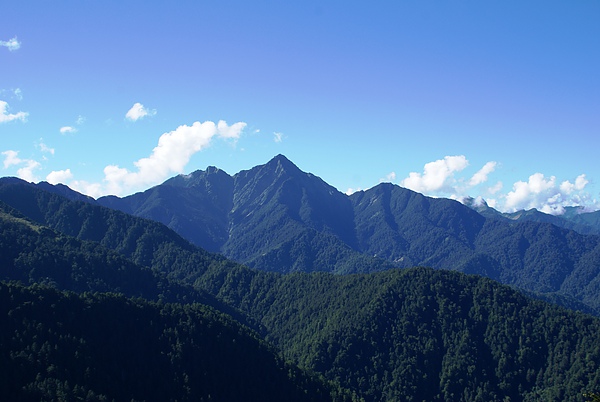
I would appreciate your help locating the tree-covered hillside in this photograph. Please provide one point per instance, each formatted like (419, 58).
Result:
(103, 347)
(422, 334)
(411, 334)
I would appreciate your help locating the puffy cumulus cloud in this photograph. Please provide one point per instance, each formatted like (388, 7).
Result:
(11, 158)
(171, 155)
(11, 44)
(26, 172)
(568, 187)
(437, 176)
(482, 175)
(138, 111)
(546, 195)
(5, 116)
(59, 176)
(68, 130)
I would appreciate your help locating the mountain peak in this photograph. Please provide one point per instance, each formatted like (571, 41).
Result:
(281, 166)
(283, 161)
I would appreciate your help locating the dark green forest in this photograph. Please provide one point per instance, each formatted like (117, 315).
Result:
(101, 305)
(102, 347)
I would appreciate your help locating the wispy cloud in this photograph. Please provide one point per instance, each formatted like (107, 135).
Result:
(170, 156)
(44, 148)
(138, 111)
(11, 158)
(390, 177)
(277, 137)
(5, 116)
(68, 130)
(482, 175)
(11, 44)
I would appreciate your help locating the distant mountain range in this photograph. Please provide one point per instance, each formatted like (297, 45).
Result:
(574, 218)
(275, 217)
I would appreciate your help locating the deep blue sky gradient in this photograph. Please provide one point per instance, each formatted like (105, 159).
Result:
(356, 90)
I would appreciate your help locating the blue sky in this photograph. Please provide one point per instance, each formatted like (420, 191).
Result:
(494, 99)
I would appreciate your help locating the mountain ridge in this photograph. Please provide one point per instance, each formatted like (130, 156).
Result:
(400, 334)
(277, 217)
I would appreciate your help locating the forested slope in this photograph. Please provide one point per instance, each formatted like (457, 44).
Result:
(421, 334)
(103, 347)
(412, 334)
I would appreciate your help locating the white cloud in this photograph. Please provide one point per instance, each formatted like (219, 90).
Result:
(92, 189)
(18, 93)
(11, 158)
(390, 177)
(44, 148)
(59, 176)
(68, 130)
(138, 111)
(11, 44)
(26, 172)
(568, 187)
(171, 155)
(6, 117)
(482, 175)
(544, 194)
(223, 130)
(437, 176)
(495, 188)
(277, 137)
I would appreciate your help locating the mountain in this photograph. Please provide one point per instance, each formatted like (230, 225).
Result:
(574, 218)
(276, 217)
(273, 215)
(400, 334)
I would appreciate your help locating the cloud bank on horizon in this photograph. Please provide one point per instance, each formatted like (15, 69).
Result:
(440, 178)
